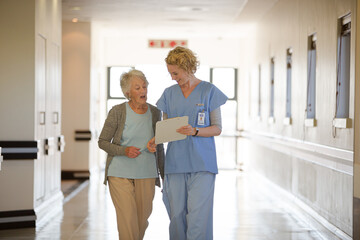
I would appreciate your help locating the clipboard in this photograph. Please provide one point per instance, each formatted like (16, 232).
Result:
(166, 129)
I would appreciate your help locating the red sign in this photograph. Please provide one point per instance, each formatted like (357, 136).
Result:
(153, 43)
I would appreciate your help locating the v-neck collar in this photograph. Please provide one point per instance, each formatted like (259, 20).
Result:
(182, 94)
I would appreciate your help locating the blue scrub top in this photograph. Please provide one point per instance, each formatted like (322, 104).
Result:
(193, 154)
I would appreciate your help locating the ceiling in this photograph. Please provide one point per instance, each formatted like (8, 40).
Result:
(197, 16)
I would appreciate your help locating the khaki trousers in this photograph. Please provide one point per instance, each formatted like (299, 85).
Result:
(132, 199)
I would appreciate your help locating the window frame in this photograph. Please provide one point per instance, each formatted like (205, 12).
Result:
(108, 81)
(259, 93)
(288, 102)
(235, 80)
(342, 117)
(272, 91)
(310, 120)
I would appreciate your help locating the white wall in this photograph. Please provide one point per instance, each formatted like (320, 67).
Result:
(356, 199)
(30, 85)
(308, 162)
(17, 70)
(76, 42)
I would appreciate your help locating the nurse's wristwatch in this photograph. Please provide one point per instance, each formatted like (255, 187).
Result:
(196, 132)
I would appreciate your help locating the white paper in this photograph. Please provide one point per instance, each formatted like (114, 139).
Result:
(166, 129)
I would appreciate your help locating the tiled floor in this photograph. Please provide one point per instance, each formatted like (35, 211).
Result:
(243, 210)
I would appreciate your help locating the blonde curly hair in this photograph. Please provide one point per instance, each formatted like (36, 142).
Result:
(184, 58)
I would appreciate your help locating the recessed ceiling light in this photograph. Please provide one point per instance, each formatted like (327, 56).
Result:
(197, 9)
(188, 9)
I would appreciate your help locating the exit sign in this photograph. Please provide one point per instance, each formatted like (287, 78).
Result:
(157, 43)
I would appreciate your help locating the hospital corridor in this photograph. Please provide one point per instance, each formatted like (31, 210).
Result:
(272, 139)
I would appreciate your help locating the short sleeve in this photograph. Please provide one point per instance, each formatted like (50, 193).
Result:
(217, 98)
(161, 103)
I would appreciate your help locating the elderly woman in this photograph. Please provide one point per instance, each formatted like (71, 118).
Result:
(131, 170)
(191, 164)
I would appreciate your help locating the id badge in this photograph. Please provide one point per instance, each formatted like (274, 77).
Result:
(201, 118)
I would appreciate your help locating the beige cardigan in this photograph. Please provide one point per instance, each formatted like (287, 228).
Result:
(110, 137)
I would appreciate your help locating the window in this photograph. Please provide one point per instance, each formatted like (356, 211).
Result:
(311, 82)
(250, 96)
(225, 80)
(288, 85)
(272, 89)
(115, 95)
(259, 93)
(203, 73)
(114, 90)
(158, 78)
(343, 72)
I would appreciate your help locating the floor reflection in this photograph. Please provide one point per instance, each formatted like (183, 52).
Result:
(244, 209)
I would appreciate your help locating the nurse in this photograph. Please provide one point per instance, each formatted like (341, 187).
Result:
(191, 165)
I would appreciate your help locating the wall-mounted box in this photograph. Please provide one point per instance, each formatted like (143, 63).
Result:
(1, 158)
(271, 120)
(61, 143)
(310, 122)
(287, 121)
(342, 123)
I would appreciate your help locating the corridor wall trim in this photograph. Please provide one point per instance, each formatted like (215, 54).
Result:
(19, 150)
(82, 135)
(17, 219)
(333, 158)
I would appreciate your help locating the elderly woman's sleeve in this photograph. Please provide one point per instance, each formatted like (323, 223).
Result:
(161, 158)
(160, 153)
(107, 134)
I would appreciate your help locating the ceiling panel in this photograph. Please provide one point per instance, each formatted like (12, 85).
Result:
(192, 15)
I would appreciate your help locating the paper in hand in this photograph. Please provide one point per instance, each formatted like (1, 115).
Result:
(166, 129)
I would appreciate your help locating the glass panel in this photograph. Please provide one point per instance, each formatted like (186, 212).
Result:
(310, 108)
(158, 78)
(288, 84)
(203, 73)
(226, 142)
(114, 81)
(113, 102)
(259, 93)
(228, 117)
(272, 90)
(343, 84)
(224, 79)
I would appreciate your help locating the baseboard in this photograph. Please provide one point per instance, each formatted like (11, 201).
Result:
(32, 218)
(49, 208)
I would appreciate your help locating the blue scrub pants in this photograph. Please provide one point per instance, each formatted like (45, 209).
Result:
(189, 199)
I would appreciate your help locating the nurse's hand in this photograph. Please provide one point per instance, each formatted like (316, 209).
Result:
(132, 152)
(151, 146)
(186, 130)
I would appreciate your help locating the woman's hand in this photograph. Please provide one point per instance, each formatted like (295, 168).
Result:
(186, 130)
(151, 146)
(132, 152)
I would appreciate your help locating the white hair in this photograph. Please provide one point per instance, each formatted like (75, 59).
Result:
(126, 78)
